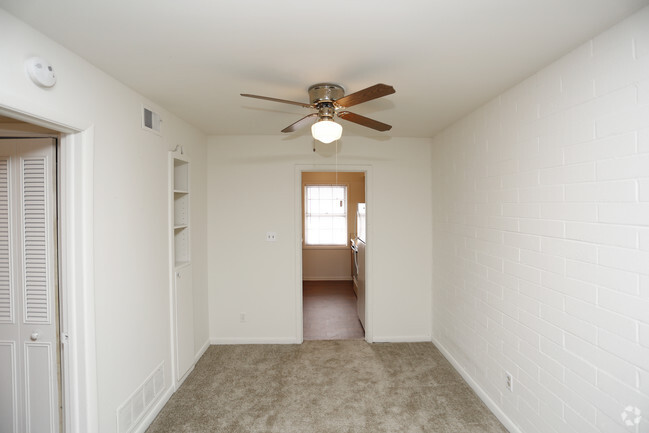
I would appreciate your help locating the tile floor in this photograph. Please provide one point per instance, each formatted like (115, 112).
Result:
(330, 311)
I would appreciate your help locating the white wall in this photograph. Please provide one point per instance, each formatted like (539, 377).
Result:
(327, 264)
(252, 189)
(541, 240)
(130, 207)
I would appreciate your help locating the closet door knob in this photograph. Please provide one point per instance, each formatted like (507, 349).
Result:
(34, 336)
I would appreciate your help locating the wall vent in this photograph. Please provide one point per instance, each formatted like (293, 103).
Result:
(151, 120)
(138, 404)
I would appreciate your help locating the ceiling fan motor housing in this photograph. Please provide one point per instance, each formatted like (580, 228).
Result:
(328, 98)
(325, 92)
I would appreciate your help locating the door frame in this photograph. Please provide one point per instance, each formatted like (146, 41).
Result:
(75, 270)
(369, 187)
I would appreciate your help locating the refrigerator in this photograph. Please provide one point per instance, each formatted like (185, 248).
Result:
(361, 239)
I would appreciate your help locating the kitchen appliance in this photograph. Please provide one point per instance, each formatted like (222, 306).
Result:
(354, 265)
(361, 239)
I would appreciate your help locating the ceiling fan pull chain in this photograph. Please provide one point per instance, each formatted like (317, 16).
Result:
(336, 162)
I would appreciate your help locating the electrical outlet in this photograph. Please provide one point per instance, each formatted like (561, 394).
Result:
(242, 317)
(271, 236)
(509, 381)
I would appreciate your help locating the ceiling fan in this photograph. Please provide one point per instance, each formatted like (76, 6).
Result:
(329, 99)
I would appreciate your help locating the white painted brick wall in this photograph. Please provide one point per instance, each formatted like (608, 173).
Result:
(541, 240)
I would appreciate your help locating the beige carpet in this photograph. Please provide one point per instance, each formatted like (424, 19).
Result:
(325, 386)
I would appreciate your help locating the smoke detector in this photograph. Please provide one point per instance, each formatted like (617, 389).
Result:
(41, 72)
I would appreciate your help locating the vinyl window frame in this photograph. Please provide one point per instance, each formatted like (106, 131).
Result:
(343, 214)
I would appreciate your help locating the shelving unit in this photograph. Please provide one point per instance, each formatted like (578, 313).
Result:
(181, 228)
(182, 292)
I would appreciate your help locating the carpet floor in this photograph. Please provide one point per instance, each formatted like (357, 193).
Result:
(345, 386)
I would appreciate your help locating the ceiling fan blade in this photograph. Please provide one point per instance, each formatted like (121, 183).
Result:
(373, 92)
(365, 121)
(301, 123)
(284, 101)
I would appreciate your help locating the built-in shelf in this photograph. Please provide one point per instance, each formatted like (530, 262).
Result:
(181, 226)
(182, 292)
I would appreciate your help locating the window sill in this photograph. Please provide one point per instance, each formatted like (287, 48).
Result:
(325, 247)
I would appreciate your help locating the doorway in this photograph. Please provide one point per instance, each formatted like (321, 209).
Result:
(30, 387)
(77, 369)
(330, 296)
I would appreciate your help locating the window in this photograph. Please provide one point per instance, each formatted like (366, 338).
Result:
(325, 215)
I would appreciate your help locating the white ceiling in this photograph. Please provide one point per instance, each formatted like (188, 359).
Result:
(444, 57)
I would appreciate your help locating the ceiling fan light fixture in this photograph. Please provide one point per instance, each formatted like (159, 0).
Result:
(326, 131)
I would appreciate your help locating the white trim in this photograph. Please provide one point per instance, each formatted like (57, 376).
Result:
(298, 243)
(252, 340)
(369, 186)
(184, 376)
(403, 339)
(369, 256)
(491, 404)
(77, 280)
(10, 133)
(24, 116)
(76, 270)
(172, 271)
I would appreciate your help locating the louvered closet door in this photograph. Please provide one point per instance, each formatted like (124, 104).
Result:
(29, 390)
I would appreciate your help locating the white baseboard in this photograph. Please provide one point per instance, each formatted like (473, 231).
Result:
(491, 404)
(246, 340)
(287, 340)
(185, 376)
(146, 421)
(201, 352)
(402, 339)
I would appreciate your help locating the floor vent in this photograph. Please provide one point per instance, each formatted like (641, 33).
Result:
(151, 120)
(131, 412)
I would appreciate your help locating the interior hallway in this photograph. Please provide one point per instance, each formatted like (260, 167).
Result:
(329, 311)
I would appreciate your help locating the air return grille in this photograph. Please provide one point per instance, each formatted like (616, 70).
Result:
(151, 120)
(140, 402)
